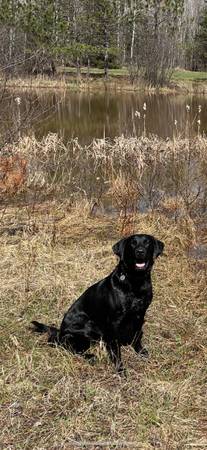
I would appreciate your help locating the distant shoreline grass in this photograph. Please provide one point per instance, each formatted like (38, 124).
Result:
(182, 81)
(187, 75)
(178, 74)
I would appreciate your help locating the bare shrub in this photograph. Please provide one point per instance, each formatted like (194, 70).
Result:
(125, 192)
(13, 171)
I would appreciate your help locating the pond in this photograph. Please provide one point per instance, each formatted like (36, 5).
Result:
(89, 115)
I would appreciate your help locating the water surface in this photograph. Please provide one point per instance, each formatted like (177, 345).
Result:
(89, 115)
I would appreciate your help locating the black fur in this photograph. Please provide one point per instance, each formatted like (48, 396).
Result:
(113, 309)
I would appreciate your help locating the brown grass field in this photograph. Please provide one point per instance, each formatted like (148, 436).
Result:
(50, 252)
(54, 400)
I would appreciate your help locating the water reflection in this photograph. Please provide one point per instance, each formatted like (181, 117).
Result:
(94, 115)
(89, 115)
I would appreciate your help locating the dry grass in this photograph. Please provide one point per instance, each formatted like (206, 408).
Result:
(38, 82)
(179, 84)
(53, 400)
(148, 172)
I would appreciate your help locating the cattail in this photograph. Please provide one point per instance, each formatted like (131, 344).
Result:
(137, 114)
(17, 100)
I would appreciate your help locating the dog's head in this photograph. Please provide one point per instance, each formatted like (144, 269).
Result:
(138, 252)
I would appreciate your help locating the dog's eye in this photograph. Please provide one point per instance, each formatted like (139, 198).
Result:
(145, 244)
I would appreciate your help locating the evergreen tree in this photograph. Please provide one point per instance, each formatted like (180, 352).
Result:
(145, 35)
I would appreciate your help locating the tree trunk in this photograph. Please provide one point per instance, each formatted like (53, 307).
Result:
(88, 68)
(118, 23)
(78, 68)
(11, 42)
(133, 33)
(106, 64)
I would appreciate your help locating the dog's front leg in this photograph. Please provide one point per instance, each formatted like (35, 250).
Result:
(137, 345)
(114, 351)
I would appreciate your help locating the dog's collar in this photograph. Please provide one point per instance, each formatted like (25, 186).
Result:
(122, 277)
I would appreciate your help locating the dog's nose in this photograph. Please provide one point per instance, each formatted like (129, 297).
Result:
(140, 252)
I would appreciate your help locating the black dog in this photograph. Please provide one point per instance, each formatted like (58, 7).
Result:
(113, 309)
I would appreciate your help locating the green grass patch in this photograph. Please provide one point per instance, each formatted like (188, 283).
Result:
(187, 75)
(178, 75)
(94, 71)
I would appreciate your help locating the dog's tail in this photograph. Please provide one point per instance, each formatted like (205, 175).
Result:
(52, 332)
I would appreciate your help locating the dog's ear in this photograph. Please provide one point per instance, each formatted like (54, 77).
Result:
(118, 248)
(158, 248)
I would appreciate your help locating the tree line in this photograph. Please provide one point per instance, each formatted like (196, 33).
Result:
(150, 37)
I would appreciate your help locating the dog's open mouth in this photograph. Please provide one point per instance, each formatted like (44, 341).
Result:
(141, 265)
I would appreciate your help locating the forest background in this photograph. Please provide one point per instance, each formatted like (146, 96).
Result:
(149, 38)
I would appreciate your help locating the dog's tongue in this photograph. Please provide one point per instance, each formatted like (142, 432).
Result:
(140, 265)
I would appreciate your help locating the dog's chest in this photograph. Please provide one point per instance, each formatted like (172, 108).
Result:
(134, 304)
(138, 300)
(130, 317)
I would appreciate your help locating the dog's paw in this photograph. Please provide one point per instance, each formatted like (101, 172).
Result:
(120, 370)
(144, 353)
(91, 358)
